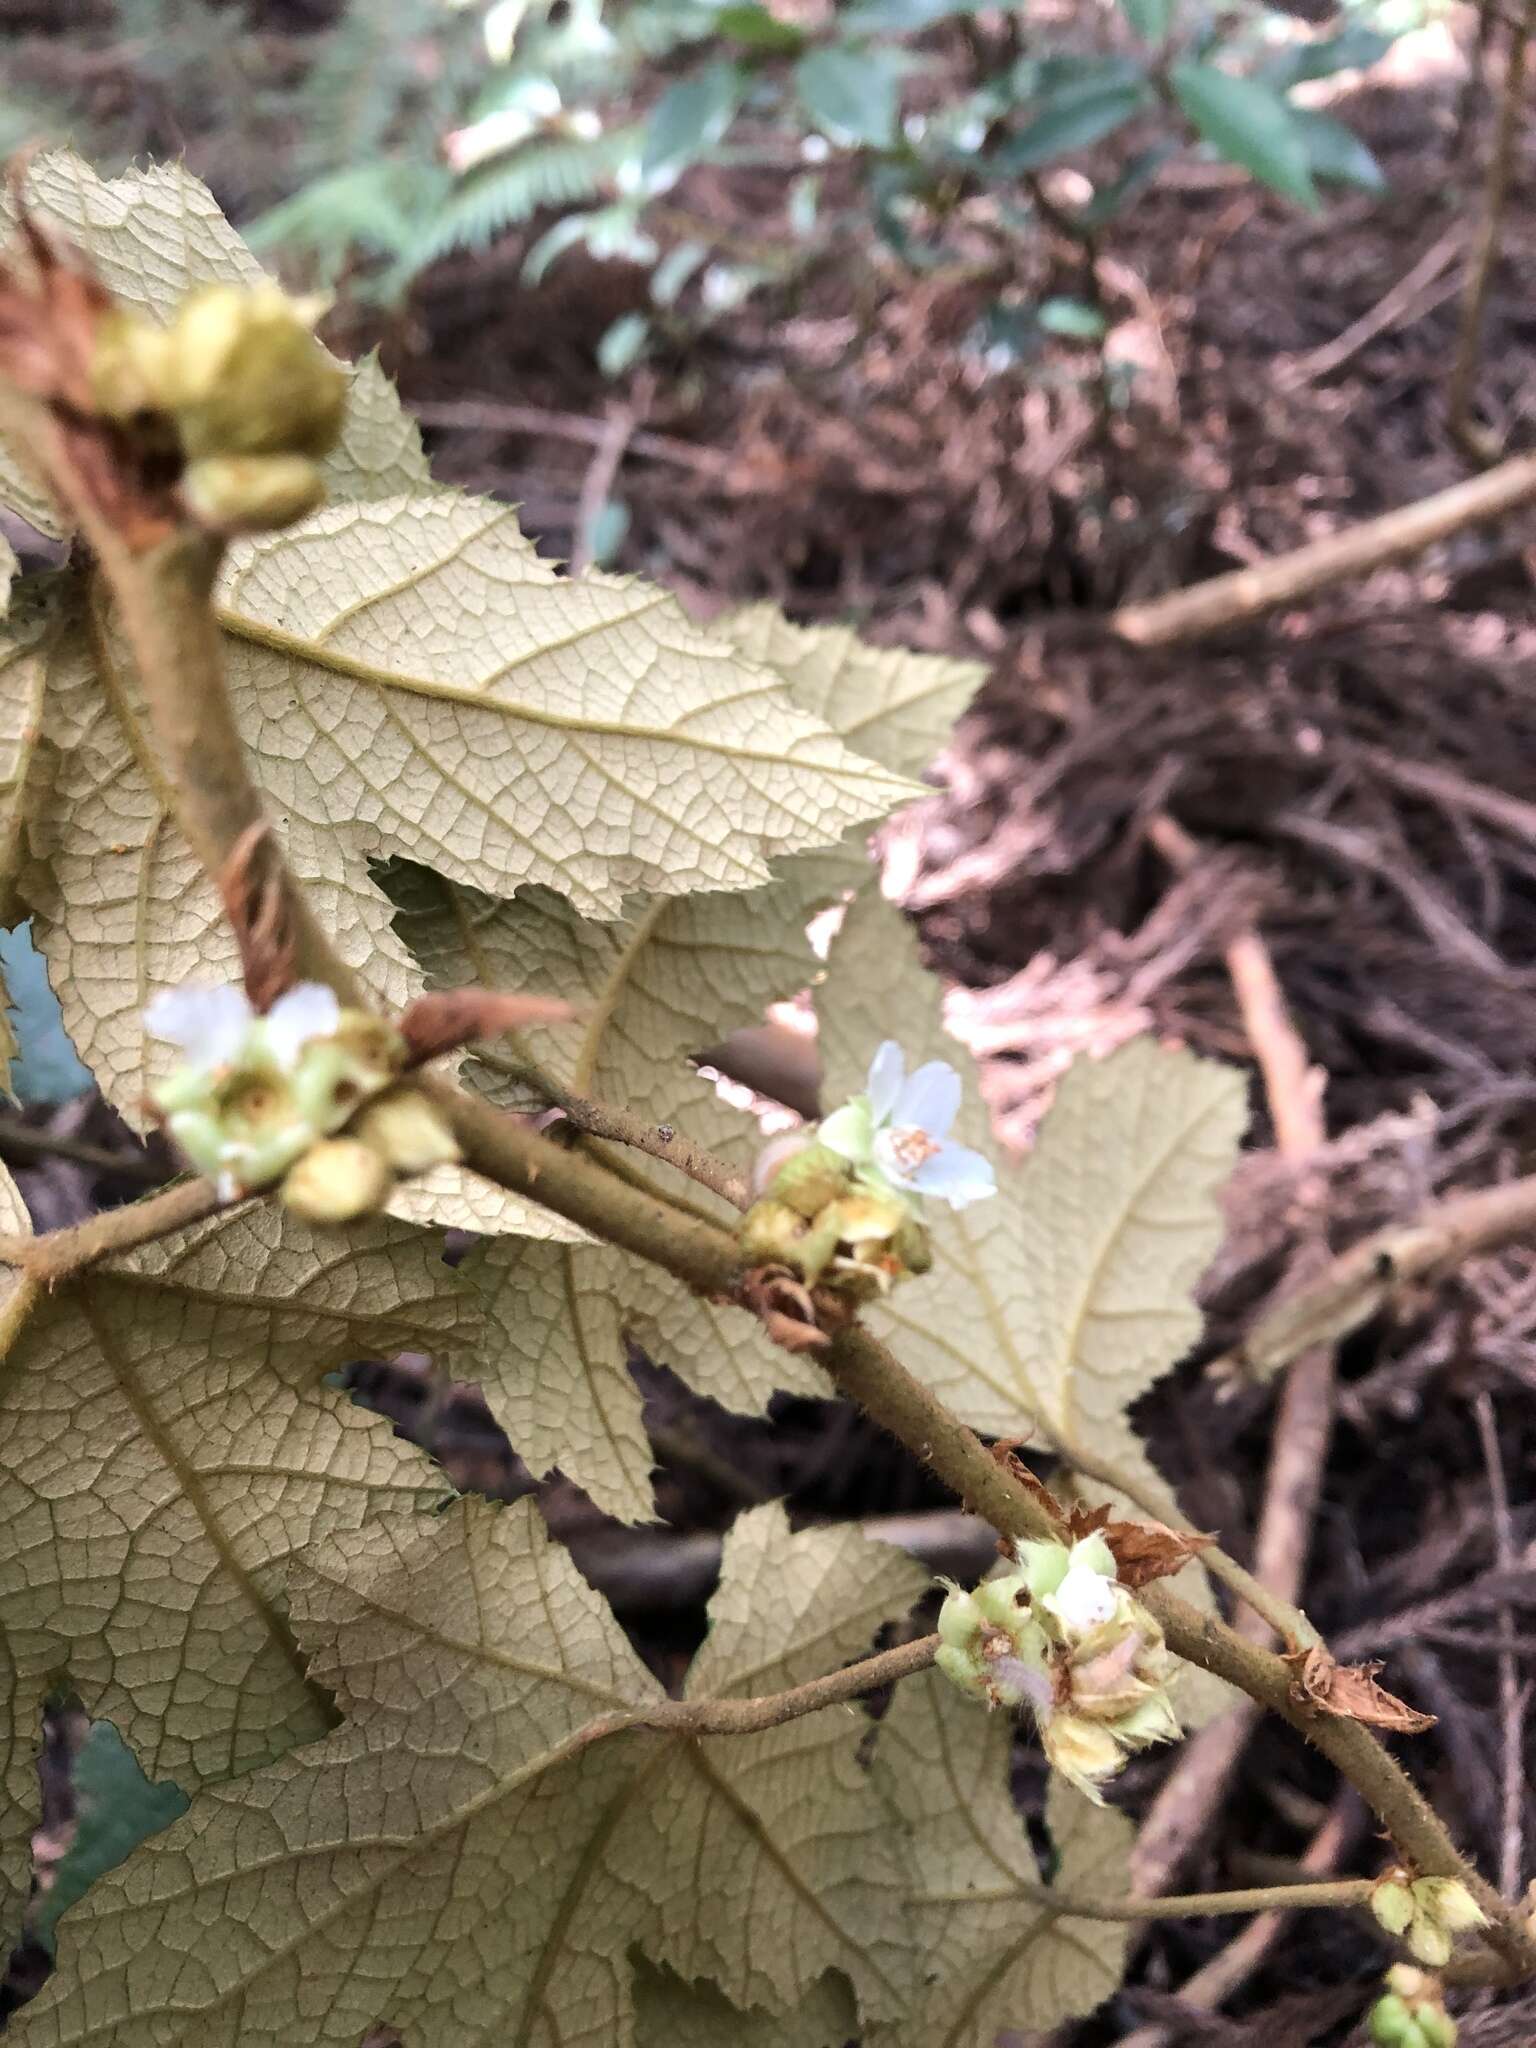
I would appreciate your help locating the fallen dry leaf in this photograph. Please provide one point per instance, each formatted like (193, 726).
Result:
(1351, 1692)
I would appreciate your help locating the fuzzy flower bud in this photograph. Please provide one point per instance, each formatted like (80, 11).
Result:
(1425, 1913)
(813, 1214)
(251, 493)
(407, 1131)
(336, 1181)
(1392, 1903)
(1410, 2013)
(245, 375)
(991, 1647)
(239, 386)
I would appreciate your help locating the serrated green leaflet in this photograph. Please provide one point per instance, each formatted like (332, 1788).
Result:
(473, 1852)
(166, 1447)
(989, 1954)
(150, 236)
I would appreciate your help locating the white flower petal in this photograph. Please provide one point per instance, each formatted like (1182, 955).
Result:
(887, 1072)
(1083, 1601)
(930, 1100)
(308, 1011)
(956, 1175)
(208, 1022)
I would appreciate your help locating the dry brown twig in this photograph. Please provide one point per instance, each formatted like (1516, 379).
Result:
(1229, 600)
(1512, 1694)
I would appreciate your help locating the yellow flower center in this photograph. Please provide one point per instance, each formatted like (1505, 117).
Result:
(912, 1148)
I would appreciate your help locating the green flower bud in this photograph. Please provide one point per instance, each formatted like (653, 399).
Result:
(1391, 2023)
(1436, 2026)
(408, 1131)
(1392, 1903)
(809, 1179)
(1447, 1902)
(1044, 1565)
(251, 493)
(130, 366)
(1410, 1982)
(247, 377)
(992, 1648)
(997, 1602)
(336, 1181)
(1429, 1942)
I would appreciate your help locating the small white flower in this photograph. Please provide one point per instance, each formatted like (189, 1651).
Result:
(900, 1128)
(208, 1023)
(1083, 1601)
(306, 1012)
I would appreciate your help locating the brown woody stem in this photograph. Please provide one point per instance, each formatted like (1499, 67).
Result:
(58, 1254)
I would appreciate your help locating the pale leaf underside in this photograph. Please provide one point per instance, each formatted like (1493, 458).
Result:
(166, 1447)
(990, 1955)
(893, 705)
(472, 1854)
(412, 676)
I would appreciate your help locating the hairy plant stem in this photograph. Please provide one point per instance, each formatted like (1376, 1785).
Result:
(163, 596)
(1342, 1891)
(658, 1141)
(59, 1254)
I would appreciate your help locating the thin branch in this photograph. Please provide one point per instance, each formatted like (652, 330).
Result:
(1236, 1963)
(1402, 299)
(1289, 1898)
(1293, 1089)
(597, 485)
(661, 1141)
(1511, 1691)
(59, 1254)
(1357, 1284)
(494, 416)
(752, 1716)
(1229, 600)
(1472, 440)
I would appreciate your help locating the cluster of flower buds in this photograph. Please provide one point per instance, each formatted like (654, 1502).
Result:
(1410, 2014)
(840, 1204)
(1426, 1913)
(239, 387)
(1062, 1636)
(257, 1099)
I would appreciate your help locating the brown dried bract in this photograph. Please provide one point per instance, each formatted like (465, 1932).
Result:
(1143, 1551)
(1350, 1691)
(436, 1024)
(250, 884)
(783, 1304)
(51, 307)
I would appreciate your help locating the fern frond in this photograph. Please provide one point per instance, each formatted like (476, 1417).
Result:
(515, 186)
